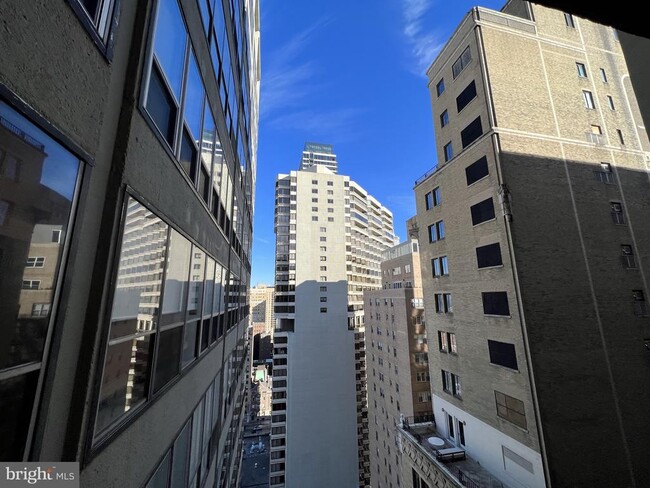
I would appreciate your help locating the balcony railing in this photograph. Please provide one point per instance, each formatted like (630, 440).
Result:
(426, 175)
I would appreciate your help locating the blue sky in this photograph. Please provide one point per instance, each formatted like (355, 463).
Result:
(349, 73)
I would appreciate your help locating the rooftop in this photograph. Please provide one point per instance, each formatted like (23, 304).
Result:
(453, 462)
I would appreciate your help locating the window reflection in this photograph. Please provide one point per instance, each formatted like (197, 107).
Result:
(134, 314)
(124, 380)
(169, 43)
(17, 395)
(176, 281)
(169, 291)
(37, 184)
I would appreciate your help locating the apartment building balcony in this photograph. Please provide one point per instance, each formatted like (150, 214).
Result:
(444, 462)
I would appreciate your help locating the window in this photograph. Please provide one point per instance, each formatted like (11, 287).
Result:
(595, 129)
(330, 183)
(323, 258)
(56, 236)
(462, 61)
(323, 268)
(40, 309)
(436, 231)
(510, 409)
(99, 12)
(617, 213)
(503, 354)
(489, 256)
(467, 95)
(476, 171)
(443, 303)
(444, 118)
(449, 151)
(443, 344)
(432, 198)
(424, 397)
(314, 218)
(610, 102)
(603, 75)
(323, 229)
(440, 86)
(472, 132)
(323, 278)
(588, 99)
(568, 20)
(620, 137)
(440, 266)
(330, 201)
(428, 200)
(495, 303)
(314, 190)
(451, 383)
(37, 191)
(323, 288)
(314, 209)
(314, 182)
(35, 262)
(582, 71)
(640, 306)
(440, 229)
(453, 347)
(482, 211)
(605, 175)
(323, 248)
(627, 256)
(127, 388)
(422, 376)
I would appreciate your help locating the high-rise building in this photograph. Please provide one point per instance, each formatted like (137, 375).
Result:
(396, 356)
(329, 237)
(262, 322)
(128, 139)
(262, 308)
(319, 154)
(534, 241)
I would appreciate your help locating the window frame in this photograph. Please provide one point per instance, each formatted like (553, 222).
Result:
(59, 298)
(104, 41)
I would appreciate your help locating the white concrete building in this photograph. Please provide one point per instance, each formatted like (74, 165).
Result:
(330, 234)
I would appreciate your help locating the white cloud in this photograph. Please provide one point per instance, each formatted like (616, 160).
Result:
(287, 80)
(335, 125)
(424, 43)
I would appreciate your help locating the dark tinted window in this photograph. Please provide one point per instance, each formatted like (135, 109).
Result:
(169, 352)
(482, 211)
(490, 255)
(476, 171)
(472, 132)
(503, 354)
(161, 107)
(466, 96)
(495, 303)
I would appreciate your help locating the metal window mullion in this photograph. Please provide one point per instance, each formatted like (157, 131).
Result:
(158, 328)
(181, 103)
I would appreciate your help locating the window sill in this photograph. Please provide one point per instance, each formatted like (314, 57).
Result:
(484, 222)
(479, 180)
(499, 366)
(492, 267)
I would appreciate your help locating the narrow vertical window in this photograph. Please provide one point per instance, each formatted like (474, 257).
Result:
(568, 20)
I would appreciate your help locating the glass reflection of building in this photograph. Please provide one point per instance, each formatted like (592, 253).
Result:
(34, 214)
(135, 306)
